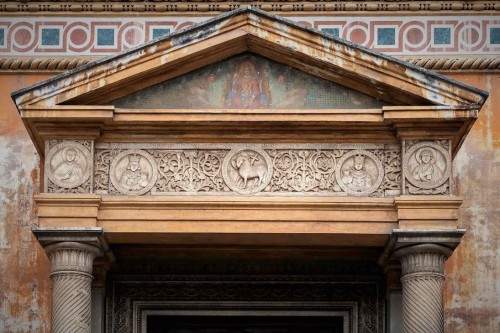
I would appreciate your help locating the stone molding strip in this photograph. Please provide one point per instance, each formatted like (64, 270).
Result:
(433, 63)
(218, 6)
(40, 63)
(455, 64)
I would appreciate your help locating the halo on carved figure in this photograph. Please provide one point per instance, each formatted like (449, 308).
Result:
(68, 164)
(423, 173)
(359, 172)
(133, 172)
(247, 169)
(424, 150)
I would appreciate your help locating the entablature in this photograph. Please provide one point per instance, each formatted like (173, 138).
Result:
(249, 128)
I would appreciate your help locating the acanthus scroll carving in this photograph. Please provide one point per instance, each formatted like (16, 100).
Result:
(304, 170)
(427, 167)
(188, 171)
(248, 169)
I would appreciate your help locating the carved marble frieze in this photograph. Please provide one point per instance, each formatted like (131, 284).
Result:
(68, 166)
(427, 167)
(247, 169)
(377, 170)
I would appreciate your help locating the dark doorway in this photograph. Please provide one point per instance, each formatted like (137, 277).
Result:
(244, 324)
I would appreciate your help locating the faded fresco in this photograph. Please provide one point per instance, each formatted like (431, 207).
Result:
(247, 82)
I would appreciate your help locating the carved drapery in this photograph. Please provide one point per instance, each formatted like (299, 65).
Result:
(69, 166)
(71, 285)
(427, 167)
(422, 280)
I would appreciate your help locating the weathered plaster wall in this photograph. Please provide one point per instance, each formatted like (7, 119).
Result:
(24, 270)
(472, 296)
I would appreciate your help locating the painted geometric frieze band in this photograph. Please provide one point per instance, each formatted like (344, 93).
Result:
(427, 167)
(68, 166)
(412, 35)
(248, 169)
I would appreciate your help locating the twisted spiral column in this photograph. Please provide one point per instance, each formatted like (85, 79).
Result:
(71, 285)
(422, 281)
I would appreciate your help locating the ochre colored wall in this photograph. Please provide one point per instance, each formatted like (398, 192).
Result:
(472, 295)
(24, 267)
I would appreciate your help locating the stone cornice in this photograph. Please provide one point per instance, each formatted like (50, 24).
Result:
(449, 64)
(218, 6)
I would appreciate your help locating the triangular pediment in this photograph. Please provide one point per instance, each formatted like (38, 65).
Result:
(242, 31)
(247, 81)
(302, 84)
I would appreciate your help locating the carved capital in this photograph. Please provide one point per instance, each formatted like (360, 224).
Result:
(422, 254)
(423, 258)
(71, 257)
(71, 252)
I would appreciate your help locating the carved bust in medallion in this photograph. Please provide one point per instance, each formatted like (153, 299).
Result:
(359, 172)
(133, 172)
(68, 164)
(427, 168)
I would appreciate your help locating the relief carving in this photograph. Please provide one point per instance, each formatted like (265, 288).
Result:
(359, 172)
(247, 170)
(188, 171)
(304, 170)
(427, 167)
(133, 172)
(68, 166)
(270, 169)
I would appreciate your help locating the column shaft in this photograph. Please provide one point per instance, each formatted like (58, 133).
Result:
(422, 281)
(71, 285)
(423, 303)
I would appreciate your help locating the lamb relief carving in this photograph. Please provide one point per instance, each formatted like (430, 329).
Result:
(247, 170)
(427, 167)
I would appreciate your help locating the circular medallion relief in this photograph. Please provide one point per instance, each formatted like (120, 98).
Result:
(247, 170)
(133, 172)
(359, 172)
(428, 165)
(69, 164)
